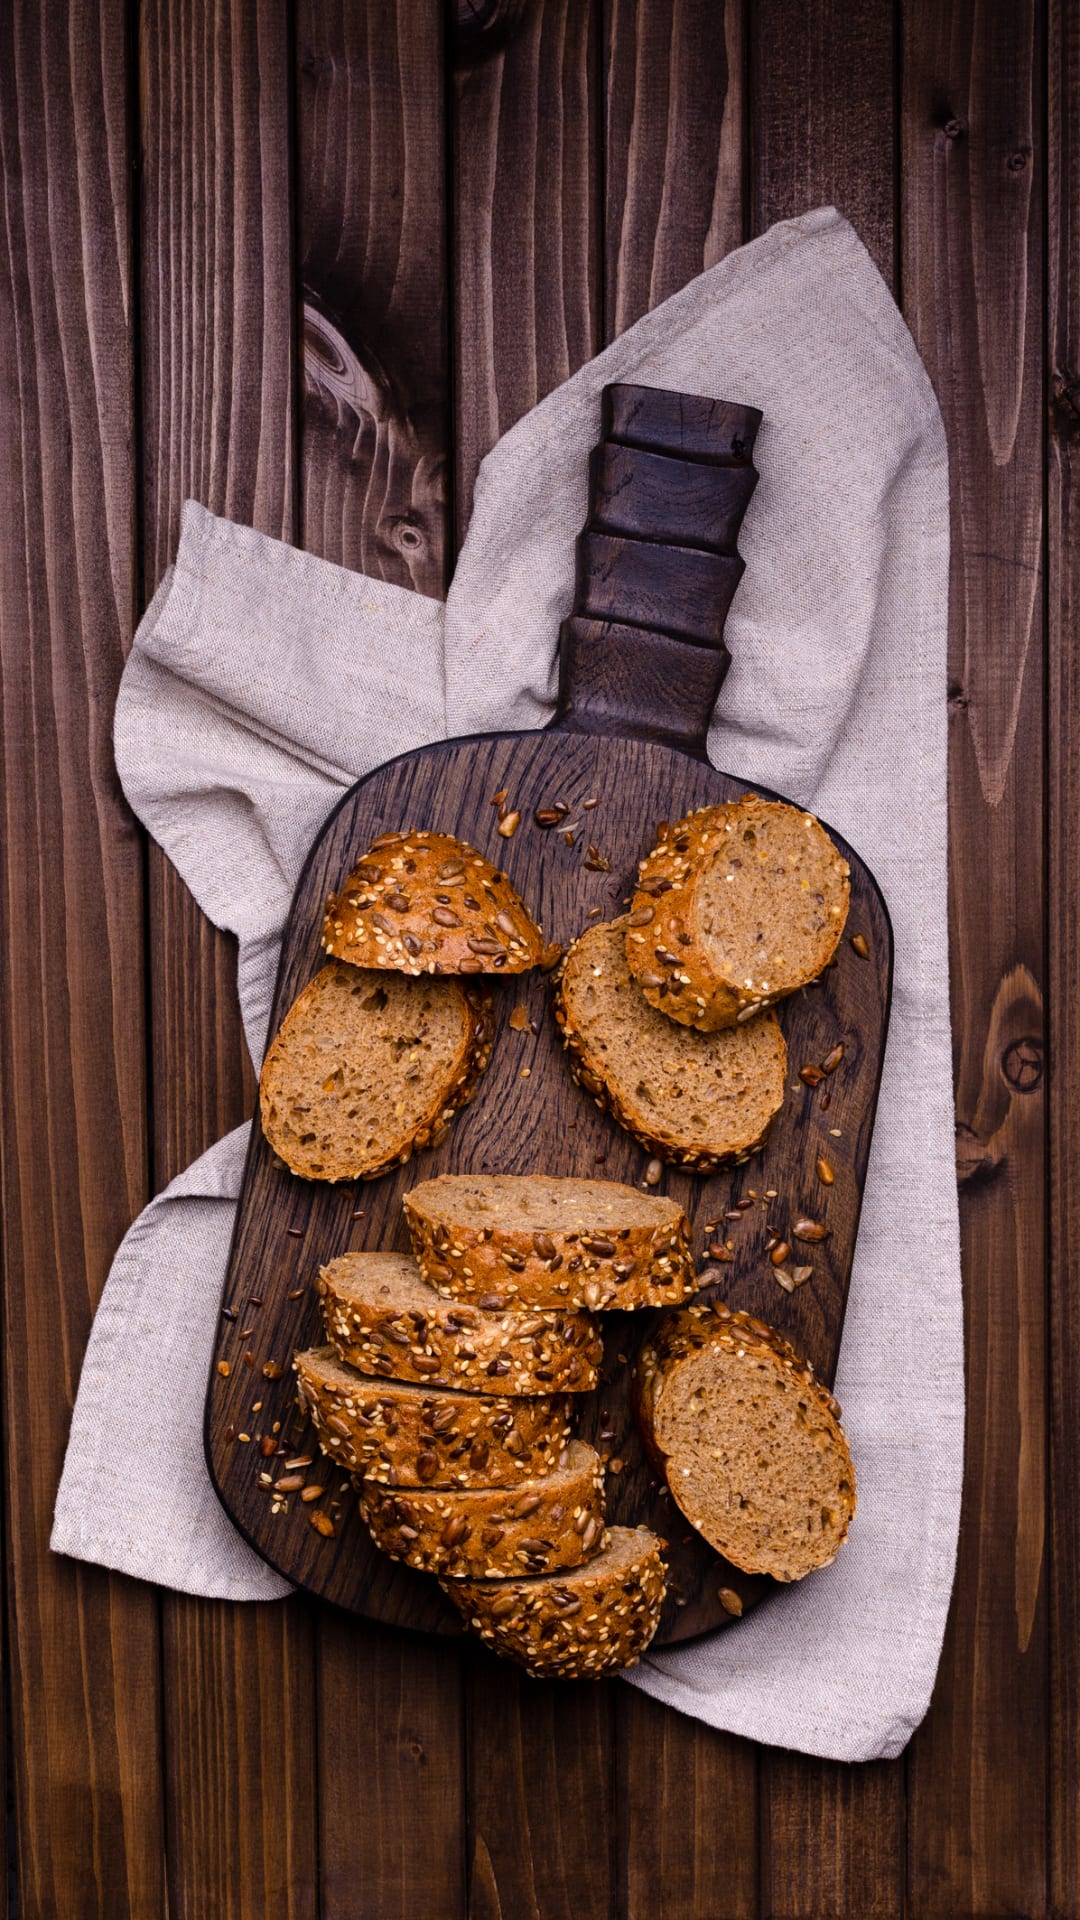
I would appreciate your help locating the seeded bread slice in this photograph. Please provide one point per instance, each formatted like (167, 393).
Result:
(573, 1625)
(544, 1241)
(427, 903)
(702, 1100)
(555, 1521)
(751, 1444)
(366, 1066)
(404, 1436)
(384, 1319)
(737, 906)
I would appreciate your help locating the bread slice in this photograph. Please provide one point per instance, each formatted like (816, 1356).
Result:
(427, 903)
(555, 1521)
(404, 1436)
(544, 1241)
(702, 1100)
(737, 906)
(384, 1319)
(366, 1066)
(751, 1444)
(573, 1625)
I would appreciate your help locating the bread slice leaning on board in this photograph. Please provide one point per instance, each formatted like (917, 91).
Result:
(575, 1624)
(750, 1443)
(700, 1100)
(349, 1037)
(540, 1241)
(735, 907)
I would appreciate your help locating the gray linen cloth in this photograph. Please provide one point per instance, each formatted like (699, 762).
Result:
(263, 682)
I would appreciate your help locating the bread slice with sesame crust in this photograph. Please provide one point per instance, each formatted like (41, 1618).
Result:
(554, 1521)
(701, 1100)
(406, 1436)
(383, 1319)
(543, 1241)
(737, 906)
(428, 903)
(749, 1441)
(573, 1625)
(366, 1067)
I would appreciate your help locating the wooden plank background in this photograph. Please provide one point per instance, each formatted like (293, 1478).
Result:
(474, 198)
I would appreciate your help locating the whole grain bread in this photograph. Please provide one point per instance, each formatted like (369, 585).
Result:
(702, 1100)
(382, 1318)
(573, 1625)
(427, 903)
(366, 1067)
(405, 1436)
(543, 1524)
(737, 906)
(749, 1441)
(541, 1241)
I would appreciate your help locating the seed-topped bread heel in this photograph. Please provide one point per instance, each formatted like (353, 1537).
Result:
(405, 1436)
(367, 1067)
(543, 1524)
(429, 903)
(735, 907)
(701, 1100)
(573, 1625)
(749, 1441)
(541, 1241)
(382, 1318)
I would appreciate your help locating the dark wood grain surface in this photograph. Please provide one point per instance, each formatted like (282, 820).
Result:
(493, 197)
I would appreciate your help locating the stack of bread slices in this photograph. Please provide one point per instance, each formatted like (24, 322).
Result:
(446, 1388)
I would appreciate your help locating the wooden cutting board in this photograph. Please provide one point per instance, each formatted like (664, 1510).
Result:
(642, 662)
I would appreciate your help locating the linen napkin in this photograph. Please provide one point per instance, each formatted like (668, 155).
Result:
(263, 682)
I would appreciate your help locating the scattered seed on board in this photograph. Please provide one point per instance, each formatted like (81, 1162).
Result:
(509, 825)
(859, 943)
(825, 1171)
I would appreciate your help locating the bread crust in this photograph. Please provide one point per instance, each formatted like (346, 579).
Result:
(676, 1338)
(406, 907)
(477, 1350)
(447, 1099)
(536, 1527)
(650, 1265)
(587, 1070)
(667, 954)
(406, 1436)
(599, 1623)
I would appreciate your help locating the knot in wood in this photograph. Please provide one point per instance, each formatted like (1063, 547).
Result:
(953, 128)
(1065, 399)
(1022, 1065)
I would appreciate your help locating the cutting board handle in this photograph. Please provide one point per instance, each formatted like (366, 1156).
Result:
(643, 650)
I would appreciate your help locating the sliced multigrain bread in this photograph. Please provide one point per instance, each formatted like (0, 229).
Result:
(702, 1100)
(737, 906)
(750, 1442)
(542, 1241)
(578, 1624)
(384, 1319)
(427, 903)
(405, 1436)
(366, 1067)
(537, 1527)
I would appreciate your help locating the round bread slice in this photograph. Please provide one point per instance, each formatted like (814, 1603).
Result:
(702, 1100)
(736, 907)
(404, 1436)
(573, 1625)
(750, 1443)
(427, 903)
(556, 1521)
(367, 1066)
(541, 1241)
(383, 1318)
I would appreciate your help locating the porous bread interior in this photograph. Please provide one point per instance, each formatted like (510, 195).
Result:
(360, 1062)
(754, 1460)
(711, 1092)
(387, 1280)
(624, 1549)
(765, 894)
(536, 1203)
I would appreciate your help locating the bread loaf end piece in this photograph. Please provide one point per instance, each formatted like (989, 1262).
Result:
(429, 903)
